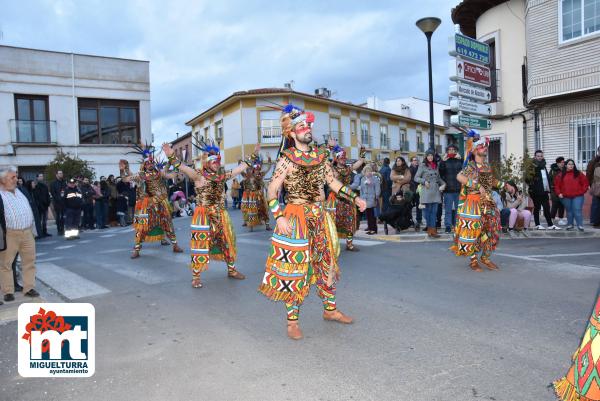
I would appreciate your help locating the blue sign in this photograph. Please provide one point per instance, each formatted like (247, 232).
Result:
(472, 49)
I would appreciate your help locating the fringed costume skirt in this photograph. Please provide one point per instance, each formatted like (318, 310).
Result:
(254, 208)
(476, 227)
(344, 214)
(212, 237)
(307, 256)
(152, 216)
(582, 382)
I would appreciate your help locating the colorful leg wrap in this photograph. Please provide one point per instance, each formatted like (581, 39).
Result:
(293, 311)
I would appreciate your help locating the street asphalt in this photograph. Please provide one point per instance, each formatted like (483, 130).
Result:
(427, 328)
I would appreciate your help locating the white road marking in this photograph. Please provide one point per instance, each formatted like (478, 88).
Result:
(508, 255)
(107, 235)
(564, 255)
(48, 259)
(365, 243)
(69, 284)
(85, 241)
(41, 254)
(64, 247)
(143, 273)
(115, 250)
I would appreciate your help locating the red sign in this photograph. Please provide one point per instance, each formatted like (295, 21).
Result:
(473, 73)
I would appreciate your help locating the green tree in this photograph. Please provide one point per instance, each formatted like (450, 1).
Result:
(71, 166)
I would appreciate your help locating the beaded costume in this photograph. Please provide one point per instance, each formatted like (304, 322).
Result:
(477, 217)
(152, 213)
(254, 204)
(308, 255)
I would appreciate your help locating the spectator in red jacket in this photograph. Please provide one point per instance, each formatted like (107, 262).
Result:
(570, 186)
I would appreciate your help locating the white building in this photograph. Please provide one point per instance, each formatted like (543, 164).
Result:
(89, 106)
(411, 107)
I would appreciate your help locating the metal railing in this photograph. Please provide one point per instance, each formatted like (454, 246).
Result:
(365, 140)
(404, 146)
(384, 142)
(269, 135)
(29, 131)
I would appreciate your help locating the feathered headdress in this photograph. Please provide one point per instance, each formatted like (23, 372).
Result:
(210, 151)
(474, 140)
(146, 152)
(338, 152)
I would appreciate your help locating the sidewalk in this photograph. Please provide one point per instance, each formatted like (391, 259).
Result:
(410, 235)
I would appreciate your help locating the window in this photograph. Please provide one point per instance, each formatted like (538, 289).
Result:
(403, 141)
(206, 133)
(32, 125)
(270, 127)
(334, 130)
(579, 18)
(219, 131)
(352, 127)
(587, 140)
(383, 137)
(104, 121)
(364, 133)
(420, 144)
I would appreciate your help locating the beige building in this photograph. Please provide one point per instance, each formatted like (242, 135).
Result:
(246, 118)
(563, 77)
(548, 72)
(501, 25)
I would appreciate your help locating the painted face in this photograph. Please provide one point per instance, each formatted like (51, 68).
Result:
(214, 165)
(481, 151)
(303, 132)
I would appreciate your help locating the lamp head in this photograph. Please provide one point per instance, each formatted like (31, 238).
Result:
(429, 24)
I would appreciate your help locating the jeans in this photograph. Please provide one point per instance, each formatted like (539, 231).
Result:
(574, 207)
(595, 211)
(504, 217)
(431, 214)
(450, 207)
(100, 208)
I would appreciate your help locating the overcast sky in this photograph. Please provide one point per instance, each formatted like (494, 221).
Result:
(200, 52)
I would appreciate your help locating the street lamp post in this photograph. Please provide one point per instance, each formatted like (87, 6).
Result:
(428, 25)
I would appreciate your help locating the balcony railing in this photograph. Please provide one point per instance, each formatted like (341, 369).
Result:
(338, 136)
(32, 132)
(384, 142)
(270, 135)
(420, 147)
(365, 140)
(404, 146)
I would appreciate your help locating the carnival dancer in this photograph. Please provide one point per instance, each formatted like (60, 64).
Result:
(344, 211)
(152, 214)
(212, 234)
(478, 220)
(582, 382)
(254, 205)
(304, 246)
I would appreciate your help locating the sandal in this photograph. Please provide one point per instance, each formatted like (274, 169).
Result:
(196, 283)
(236, 275)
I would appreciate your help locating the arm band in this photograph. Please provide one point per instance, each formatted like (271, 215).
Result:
(174, 162)
(347, 193)
(275, 208)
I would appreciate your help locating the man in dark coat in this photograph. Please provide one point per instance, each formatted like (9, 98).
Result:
(540, 187)
(57, 190)
(41, 195)
(450, 166)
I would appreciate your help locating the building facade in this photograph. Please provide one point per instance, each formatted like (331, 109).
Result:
(246, 118)
(182, 146)
(563, 77)
(89, 106)
(548, 72)
(501, 24)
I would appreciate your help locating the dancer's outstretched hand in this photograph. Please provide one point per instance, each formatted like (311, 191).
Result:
(167, 149)
(283, 226)
(361, 203)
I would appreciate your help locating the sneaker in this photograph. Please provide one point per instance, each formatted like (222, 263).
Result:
(580, 228)
(524, 233)
(553, 227)
(540, 227)
(511, 233)
(562, 222)
(570, 228)
(448, 230)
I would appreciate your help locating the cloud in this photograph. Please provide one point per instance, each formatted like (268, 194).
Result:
(200, 52)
